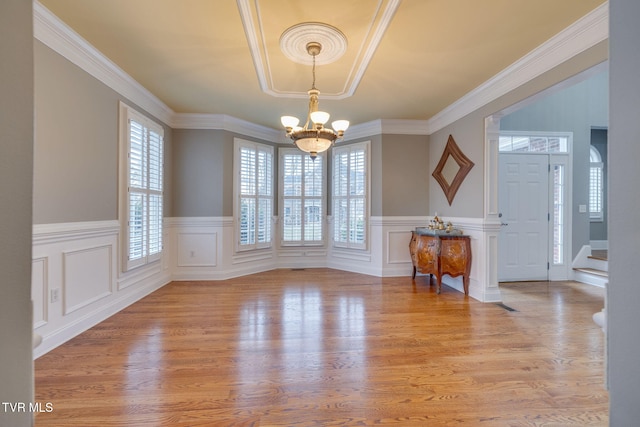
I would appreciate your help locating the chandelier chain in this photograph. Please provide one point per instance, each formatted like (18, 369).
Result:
(313, 72)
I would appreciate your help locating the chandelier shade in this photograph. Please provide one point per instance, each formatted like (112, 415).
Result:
(314, 137)
(315, 143)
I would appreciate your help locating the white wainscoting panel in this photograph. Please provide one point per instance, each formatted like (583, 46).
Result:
(87, 276)
(39, 291)
(198, 249)
(302, 257)
(202, 248)
(398, 247)
(76, 281)
(483, 284)
(387, 253)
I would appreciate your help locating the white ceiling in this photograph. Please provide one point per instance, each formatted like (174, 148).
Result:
(404, 59)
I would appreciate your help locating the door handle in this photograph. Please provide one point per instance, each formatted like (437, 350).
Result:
(502, 224)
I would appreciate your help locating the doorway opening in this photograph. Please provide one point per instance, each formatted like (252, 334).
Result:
(534, 196)
(553, 106)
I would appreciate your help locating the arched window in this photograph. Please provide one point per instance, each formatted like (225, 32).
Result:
(596, 183)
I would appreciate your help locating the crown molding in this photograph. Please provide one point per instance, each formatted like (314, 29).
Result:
(228, 123)
(363, 130)
(583, 34)
(405, 127)
(387, 126)
(58, 36)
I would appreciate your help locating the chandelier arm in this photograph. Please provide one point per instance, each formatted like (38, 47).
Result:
(306, 124)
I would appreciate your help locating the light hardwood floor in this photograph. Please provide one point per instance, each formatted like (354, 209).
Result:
(321, 347)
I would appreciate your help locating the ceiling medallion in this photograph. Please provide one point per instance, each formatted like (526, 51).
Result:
(294, 41)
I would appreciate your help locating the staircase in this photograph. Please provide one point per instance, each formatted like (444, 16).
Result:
(591, 266)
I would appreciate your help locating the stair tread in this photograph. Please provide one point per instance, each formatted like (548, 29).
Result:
(601, 254)
(593, 271)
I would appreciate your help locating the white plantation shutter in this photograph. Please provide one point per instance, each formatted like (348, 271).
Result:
(264, 215)
(350, 195)
(247, 196)
(595, 191)
(155, 224)
(247, 221)
(144, 178)
(596, 186)
(137, 234)
(136, 154)
(340, 197)
(254, 188)
(302, 188)
(357, 195)
(265, 195)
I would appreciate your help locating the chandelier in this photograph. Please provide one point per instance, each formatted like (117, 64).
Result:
(313, 137)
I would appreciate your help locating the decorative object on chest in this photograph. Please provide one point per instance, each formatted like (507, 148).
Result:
(438, 252)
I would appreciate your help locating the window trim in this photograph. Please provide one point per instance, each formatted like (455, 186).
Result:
(126, 114)
(366, 147)
(322, 157)
(596, 216)
(238, 144)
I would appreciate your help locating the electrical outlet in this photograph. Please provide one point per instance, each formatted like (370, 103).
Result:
(55, 295)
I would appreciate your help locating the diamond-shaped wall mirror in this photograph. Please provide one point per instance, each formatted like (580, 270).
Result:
(452, 168)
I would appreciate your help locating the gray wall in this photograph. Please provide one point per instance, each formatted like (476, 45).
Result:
(16, 169)
(469, 199)
(203, 173)
(576, 109)
(76, 147)
(405, 175)
(469, 135)
(624, 214)
(202, 164)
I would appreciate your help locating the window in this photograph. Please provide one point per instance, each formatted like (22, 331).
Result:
(253, 189)
(542, 143)
(143, 144)
(302, 197)
(596, 184)
(558, 183)
(350, 195)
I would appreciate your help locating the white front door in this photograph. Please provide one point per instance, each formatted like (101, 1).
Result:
(523, 200)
